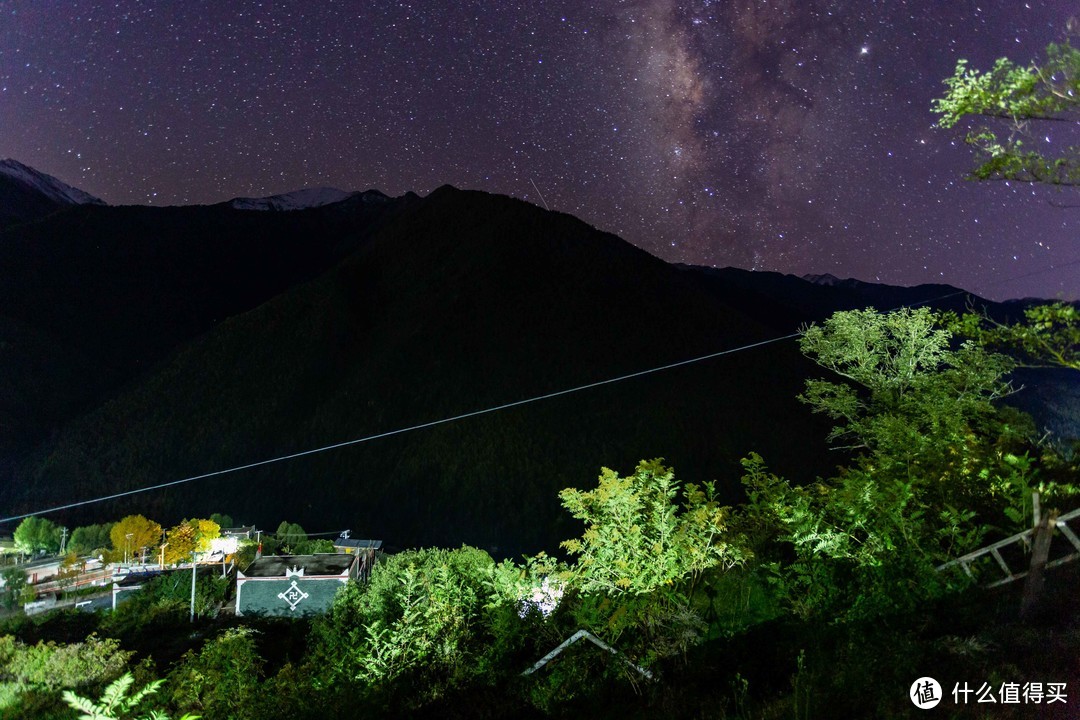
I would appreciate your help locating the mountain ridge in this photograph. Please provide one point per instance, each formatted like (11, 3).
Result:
(27, 194)
(141, 345)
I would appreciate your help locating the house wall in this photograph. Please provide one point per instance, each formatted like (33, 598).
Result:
(259, 596)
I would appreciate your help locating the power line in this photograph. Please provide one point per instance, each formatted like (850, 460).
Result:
(488, 410)
(400, 431)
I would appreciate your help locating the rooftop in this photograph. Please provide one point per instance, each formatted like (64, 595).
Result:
(321, 564)
(357, 543)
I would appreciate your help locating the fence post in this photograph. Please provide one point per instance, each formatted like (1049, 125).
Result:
(1040, 552)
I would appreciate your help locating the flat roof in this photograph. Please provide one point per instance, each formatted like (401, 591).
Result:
(357, 543)
(320, 564)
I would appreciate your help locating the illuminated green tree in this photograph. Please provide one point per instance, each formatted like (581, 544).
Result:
(643, 553)
(1015, 109)
(36, 534)
(906, 395)
(1049, 338)
(934, 461)
(637, 540)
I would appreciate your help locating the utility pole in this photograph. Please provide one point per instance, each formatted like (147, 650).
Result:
(193, 566)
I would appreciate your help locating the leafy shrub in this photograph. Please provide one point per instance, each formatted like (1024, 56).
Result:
(222, 679)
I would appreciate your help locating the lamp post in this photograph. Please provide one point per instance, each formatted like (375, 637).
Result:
(163, 546)
(127, 542)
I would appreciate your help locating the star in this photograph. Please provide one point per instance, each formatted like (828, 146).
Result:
(625, 109)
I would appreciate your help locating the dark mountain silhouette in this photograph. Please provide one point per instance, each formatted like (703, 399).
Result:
(142, 345)
(458, 302)
(27, 194)
(94, 296)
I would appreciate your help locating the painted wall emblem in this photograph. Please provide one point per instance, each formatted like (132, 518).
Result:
(293, 596)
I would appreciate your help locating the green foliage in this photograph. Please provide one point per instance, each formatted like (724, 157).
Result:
(289, 535)
(422, 608)
(908, 386)
(14, 581)
(245, 554)
(116, 703)
(52, 665)
(1020, 98)
(939, 464)
(34, 675)
(424, 623)
(920, 407)
(1049, 337)
(313, 546)
(223, 521)
(641, 557)
(862, 546)
(636, 539)
(222, 679)
(91, 539)
(36, 534)
(166, 599)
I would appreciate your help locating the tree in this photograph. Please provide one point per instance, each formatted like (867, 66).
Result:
(36, 534)
(636, 540)
(911, 400)
(861, 544)
(641, 555)
(1049, 338)
(192, 535)
(1027, 102)
(420, 621)
(313, 546)
(223, 521)
(133, 533)
(935, 462)
(222, 679)
(290, 535)
(1024, 101)
(14, 580)
(91, 539)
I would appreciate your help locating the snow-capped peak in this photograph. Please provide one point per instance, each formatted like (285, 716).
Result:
(300, 199)
(47, 185)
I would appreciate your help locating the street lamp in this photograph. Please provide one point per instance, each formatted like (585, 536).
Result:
(127, 542)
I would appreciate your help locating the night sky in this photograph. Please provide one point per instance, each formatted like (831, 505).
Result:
(790, 135)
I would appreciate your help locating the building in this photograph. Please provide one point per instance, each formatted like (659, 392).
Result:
(243, 532)
(124, 586)
(293, 585)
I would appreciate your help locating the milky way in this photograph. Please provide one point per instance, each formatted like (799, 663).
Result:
(790, 135)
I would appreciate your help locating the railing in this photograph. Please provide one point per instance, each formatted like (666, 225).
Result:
(1023, 538)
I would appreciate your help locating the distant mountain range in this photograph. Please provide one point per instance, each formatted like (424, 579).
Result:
(143, 345)
(306, 199)
(27, 194)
